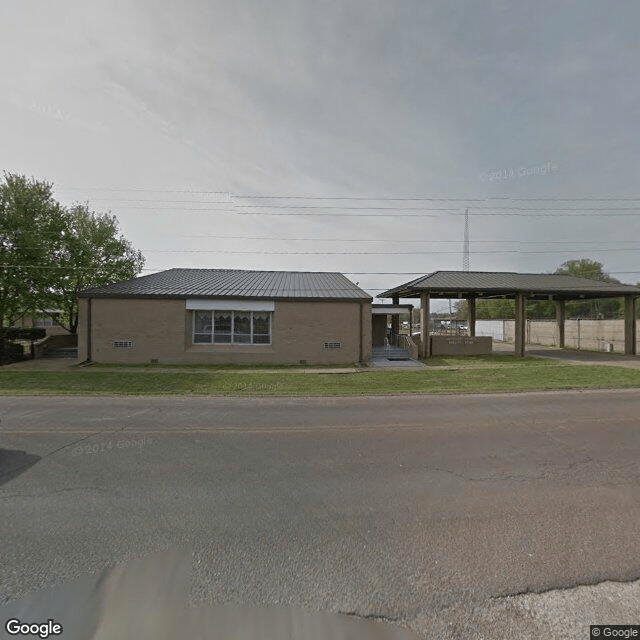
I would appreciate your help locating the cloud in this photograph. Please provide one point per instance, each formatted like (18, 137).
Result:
(361, 98)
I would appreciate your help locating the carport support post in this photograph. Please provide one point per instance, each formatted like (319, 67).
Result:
(471, 316)
(520, 324)
(560, 317)
(395, 318)
(629, 325)
(425, 345)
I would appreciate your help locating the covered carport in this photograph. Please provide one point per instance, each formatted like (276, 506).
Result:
(472, 285)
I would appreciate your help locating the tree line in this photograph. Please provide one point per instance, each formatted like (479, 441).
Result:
(50, 252)
(604, 308)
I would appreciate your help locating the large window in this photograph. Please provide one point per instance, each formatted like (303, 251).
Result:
(232, 327)
(44, 321)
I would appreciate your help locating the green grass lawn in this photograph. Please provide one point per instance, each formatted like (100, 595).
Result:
(485, 361)
(443, 375)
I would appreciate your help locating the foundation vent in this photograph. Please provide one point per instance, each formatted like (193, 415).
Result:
(122, 344)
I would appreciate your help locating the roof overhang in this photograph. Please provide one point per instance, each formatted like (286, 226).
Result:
(149, 296)
(235, 304)
(391, 309)
(508, 285)
(501, 293)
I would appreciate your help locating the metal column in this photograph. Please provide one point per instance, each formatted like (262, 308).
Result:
(520, 325)
(560, 318)
(471, 316)
(630, 325)
(425, 344)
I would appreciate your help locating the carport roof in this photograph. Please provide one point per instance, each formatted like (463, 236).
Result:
(486, 284)
(234, 283)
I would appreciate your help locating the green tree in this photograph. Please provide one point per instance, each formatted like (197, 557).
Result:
(582, 268)
(491, 309)
(593, 270)
(49, 253)
(585, 268)
(93, 252)
(31, 226)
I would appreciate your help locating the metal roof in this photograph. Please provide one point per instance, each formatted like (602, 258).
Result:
(233, 283)
(451, 284)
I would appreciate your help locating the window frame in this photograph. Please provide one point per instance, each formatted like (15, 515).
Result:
(193, 327)
(45, 321)
(232, 342)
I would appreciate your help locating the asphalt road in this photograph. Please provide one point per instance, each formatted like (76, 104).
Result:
(422, 510)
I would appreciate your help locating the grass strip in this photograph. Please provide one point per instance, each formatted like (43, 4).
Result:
(476, 379)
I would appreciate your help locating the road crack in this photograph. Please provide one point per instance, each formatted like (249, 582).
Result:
(565, 588)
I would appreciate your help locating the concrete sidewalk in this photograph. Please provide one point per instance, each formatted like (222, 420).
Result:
(396, 364)
(41, 364)
(61, 364)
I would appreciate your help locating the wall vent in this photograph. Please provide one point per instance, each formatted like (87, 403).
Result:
(122, 344)
(332, 345)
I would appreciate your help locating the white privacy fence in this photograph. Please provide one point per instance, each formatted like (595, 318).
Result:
(493, 328)
(594, 335)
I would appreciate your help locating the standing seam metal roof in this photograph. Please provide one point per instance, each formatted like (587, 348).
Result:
(233, 283)
(508, 282)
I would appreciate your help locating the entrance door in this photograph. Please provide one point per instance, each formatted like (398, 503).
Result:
(378, 329)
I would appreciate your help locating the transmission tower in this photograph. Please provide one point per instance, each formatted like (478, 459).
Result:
(465, 246)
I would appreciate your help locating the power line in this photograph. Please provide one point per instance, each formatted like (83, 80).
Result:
(362, 198)
(353, 273)
(422, 208)
(225, 202)
(143, 190)
(570, 242)
(588, 199)
(218, 212)
(376, 253)
(417, 198)
(404, 240)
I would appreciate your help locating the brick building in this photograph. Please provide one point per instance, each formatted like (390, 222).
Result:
(221, 316)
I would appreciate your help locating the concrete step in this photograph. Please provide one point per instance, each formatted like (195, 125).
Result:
(391, 352)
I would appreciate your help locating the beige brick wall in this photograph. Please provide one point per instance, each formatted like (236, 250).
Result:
(82, 329)
(28, 322)
(460, 345)
(161, 329)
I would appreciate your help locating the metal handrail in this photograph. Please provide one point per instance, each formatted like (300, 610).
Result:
(401, 341)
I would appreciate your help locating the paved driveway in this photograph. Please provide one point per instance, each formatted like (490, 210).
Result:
(574, 356)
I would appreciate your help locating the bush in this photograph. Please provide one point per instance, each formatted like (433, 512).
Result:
(11, 352)
(25, 333)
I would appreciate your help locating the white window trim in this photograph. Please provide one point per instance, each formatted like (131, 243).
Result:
(230, 304)
(232, 343)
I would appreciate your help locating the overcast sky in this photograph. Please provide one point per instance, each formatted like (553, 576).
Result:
(134, 106)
